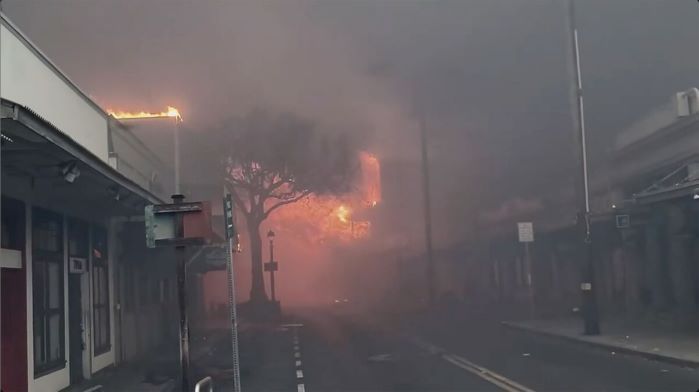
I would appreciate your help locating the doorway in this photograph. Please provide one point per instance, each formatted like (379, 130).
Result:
(78, 240)
(75, 332)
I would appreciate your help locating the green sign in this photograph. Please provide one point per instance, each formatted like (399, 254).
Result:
(228, 216)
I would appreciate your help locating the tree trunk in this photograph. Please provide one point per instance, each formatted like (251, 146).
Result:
(257, 289)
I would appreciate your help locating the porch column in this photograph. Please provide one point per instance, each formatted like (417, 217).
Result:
(654, 273)
(633, 264)
(679, 258)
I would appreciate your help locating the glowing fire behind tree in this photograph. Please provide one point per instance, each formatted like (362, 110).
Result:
(327, 218)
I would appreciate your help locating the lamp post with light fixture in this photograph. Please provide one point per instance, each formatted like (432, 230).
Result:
(587, 288)
(179, 232)
(272, 265)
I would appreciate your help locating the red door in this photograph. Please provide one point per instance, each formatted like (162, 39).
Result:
(13, 301)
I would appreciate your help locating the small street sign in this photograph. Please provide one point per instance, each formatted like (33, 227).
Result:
(161, 224)
(525, 230)
(228, 216)
(623, 221)
(271, 266)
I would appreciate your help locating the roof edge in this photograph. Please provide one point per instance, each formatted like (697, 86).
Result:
(4, 20)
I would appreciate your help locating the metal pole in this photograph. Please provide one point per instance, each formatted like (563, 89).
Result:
(182, 297)
(234, 317)
(230, 235)
(530, 287)
(177, 156)
(589, 301)
(271, 269)
(427, 211)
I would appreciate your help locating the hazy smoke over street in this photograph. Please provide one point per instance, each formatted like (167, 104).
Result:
(408, 189)
(489, 76)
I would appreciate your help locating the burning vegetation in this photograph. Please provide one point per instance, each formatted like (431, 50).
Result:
(326, 218)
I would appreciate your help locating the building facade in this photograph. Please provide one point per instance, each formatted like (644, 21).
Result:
(79, 291)
(644, 228)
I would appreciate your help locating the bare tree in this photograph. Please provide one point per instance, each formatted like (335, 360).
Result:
(272, 160)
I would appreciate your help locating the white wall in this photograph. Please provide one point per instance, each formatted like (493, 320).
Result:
(27, 80)
(648, 124)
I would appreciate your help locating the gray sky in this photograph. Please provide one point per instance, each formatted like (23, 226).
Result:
(490, 75)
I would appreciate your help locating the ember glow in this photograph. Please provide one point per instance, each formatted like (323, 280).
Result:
(371, 178)
(319, 219)
(170, 112)
(343, 213)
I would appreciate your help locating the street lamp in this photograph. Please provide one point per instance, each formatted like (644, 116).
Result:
(272, 265)
(589, 301)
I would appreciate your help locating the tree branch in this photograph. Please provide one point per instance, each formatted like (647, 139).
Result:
(285, 202)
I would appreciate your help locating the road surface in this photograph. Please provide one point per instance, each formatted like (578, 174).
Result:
(330, 350)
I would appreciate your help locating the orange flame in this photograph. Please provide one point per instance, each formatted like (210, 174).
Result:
(343, 213)
(347, 217)
(171, 112)
(371, 178)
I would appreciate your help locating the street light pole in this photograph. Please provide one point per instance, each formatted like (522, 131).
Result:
(181, 265)
(178, 185)
(589, 301)
(270, 235)
(427, 210)
(182, 296)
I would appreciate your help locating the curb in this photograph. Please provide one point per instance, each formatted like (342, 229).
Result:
(606, 346)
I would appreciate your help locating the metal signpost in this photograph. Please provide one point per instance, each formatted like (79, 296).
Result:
(165, 227)
(230, 240)
(525, 231)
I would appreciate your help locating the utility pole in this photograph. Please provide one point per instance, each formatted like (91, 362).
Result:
(427, 211)
(589, 300)
(182, 296)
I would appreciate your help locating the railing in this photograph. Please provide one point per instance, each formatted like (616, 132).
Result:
(206, 384)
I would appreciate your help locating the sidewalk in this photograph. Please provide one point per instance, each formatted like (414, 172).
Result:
(120, 379)
(622, 336)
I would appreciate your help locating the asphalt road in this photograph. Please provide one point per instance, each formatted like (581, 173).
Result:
(343, 351)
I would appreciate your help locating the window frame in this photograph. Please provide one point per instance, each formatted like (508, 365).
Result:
(100, 264)
(41, 260)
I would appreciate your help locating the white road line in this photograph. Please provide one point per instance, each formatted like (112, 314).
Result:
(503, 386)
(492, 374)
(300, 386)
(484, 373)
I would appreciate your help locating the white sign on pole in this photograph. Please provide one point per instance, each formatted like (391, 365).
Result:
(525, 231)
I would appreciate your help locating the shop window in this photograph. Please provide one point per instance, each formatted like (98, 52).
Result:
(77, 238)
(47, 287)
(12, 230)
(100, 292)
